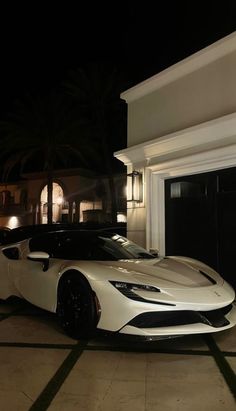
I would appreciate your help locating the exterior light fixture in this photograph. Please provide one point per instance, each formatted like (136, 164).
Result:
(13, 222)
(135, 187)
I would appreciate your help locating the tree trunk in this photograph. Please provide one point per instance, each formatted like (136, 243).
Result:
(102, 125)
(113, 199)
(49, 193)
(111, 181)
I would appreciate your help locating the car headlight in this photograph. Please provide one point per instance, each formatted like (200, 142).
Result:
(120, 285)
(128, 289)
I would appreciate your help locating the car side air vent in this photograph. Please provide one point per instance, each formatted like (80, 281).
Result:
(208, 277)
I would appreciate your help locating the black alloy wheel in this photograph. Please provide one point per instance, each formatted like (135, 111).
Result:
(76, 308)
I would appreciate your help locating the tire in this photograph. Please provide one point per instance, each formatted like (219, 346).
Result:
(76, 308)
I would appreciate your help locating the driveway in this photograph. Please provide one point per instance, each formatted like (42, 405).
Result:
(43, 369)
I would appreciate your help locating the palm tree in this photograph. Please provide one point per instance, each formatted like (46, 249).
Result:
(39, 132)
(96, 90)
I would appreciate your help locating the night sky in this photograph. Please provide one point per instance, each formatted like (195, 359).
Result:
(39, 45)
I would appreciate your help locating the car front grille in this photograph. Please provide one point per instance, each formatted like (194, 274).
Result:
(214, 318)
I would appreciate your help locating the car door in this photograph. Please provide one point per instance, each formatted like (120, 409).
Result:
(37, 286)
(8, 255)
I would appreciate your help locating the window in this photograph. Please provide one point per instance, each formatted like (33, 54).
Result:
(187, 189)
(82, 245)
(45, 242)
(12, 253)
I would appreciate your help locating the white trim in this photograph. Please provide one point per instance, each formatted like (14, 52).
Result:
(222, 158)
(155, 234)
(206, 147)
(198, 60)
(210, 134)
(149, 200)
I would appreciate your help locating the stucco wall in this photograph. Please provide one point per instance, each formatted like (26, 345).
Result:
(203, 95)
(136, 225)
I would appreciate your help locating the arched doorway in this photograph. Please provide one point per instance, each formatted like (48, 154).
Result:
(58, 201)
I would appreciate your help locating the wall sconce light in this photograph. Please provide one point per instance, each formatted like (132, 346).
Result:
(135, 187)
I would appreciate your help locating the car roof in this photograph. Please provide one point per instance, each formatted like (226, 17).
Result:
(25, 232)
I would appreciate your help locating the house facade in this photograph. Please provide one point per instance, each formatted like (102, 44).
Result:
(78, 196)
(182, 139)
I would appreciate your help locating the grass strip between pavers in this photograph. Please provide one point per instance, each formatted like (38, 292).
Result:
(222, 363)
(47, 395)
(131, 349)
(146, 348)
(37, 345)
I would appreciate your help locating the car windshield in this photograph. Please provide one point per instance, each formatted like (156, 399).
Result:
(121, 248)
(88, 246)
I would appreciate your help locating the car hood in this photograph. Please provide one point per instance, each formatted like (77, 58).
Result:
(172, 272)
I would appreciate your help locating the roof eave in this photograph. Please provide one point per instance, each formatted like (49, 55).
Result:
(192, 63)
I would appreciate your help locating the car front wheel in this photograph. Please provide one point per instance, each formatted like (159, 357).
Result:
(76, 308)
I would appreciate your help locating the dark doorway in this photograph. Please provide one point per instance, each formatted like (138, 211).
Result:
(201, 219)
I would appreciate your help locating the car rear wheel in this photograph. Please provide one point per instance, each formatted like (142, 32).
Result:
(76, 307)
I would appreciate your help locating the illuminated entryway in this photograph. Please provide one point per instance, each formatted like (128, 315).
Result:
(57, 200)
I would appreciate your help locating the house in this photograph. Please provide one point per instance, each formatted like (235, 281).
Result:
(182, 142)
(78, 196)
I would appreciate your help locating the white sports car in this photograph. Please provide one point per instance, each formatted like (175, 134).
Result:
(96, 280)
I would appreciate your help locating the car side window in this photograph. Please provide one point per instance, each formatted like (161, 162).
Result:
(12, 253)
(45, 242)
(72, 248)
(84, 247)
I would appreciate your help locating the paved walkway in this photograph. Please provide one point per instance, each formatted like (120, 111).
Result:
(43, 369)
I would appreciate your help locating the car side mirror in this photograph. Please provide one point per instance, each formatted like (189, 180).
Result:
(40, 256)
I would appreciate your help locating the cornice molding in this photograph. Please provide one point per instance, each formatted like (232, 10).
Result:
(192, 63)
(206, 136)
